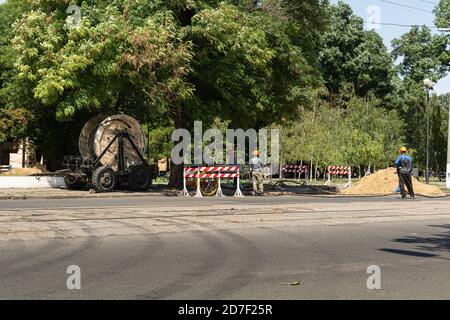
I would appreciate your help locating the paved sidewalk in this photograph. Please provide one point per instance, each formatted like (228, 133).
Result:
(157, 191)
(20, 194)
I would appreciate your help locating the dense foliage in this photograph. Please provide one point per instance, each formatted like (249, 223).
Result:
(362, 134)
(354, 60)
(307, 66)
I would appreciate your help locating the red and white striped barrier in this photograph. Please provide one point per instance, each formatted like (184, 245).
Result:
(340, 171)
(211, 169)
(5, 169)
(295, 169)
(219, 173)
(211, 175)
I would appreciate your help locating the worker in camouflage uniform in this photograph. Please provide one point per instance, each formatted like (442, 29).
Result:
(256, 166)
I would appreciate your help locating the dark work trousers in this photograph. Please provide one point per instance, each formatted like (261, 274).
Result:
(405, 180)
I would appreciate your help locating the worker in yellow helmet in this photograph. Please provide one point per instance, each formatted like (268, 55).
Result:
(404, 169)
(256, 166)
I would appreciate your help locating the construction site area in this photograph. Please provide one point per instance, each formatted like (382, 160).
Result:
(224, 150)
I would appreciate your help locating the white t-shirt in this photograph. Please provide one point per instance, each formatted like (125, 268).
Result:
(256, 164)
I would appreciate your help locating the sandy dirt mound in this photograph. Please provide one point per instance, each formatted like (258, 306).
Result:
(23, 171)
(385, 182)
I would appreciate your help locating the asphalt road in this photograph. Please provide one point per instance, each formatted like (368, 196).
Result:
(178, 201)
(328, 260)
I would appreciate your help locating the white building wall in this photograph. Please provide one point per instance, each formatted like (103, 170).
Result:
(15, 159)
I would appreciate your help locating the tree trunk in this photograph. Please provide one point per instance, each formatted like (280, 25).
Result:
(176, 176)
(315, 172)
(181, 121)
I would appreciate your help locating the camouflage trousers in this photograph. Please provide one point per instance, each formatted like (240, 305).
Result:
(258, 185)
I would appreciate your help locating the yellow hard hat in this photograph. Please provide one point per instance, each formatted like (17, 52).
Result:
(403, 149)
(256, 153)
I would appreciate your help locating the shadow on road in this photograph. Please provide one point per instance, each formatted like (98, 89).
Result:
(410, 253)
(439, 242)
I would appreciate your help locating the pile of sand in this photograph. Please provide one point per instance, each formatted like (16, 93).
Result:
(24, 171)
(385, 182)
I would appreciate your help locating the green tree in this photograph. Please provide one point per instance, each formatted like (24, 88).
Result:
(421, 55)
(442, 12)
(179, 60)
(12, 120)
(354, 60)
(361, 134)
(378, 132)
(439, 131)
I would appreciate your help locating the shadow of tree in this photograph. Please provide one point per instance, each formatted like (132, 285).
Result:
(439, 242)
(410, 253)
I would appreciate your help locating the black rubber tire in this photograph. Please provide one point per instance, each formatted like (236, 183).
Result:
(74, 183)
(209, 188)
(140, 178)
(104, 179)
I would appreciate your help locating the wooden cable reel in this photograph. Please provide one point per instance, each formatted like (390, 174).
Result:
(87, 136)
(107, 131)
(112, 151)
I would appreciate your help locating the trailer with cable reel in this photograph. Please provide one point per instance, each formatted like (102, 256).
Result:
(111, 153)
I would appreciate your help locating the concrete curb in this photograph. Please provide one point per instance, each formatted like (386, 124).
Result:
(85, 196)
(31, 182)
(169, 194)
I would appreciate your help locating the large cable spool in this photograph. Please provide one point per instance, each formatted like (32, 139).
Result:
(108, 129)
(87, 137)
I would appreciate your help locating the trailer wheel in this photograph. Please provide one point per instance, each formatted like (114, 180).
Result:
(73, 182)
(209, 187)
(104, 179)
(140, 178)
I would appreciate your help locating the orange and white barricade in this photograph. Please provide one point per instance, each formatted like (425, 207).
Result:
(199, 173)
(340, 171)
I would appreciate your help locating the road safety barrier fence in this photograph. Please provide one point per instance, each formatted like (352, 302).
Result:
(5, 169)
(199, 173)
(295, 169)
(340, 171)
